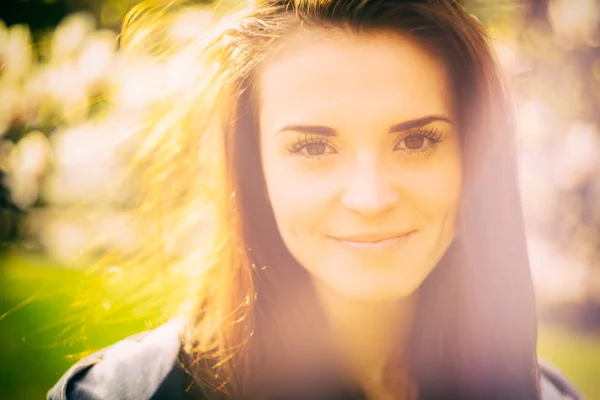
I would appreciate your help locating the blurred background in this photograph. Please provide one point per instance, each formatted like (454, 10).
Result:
(70, 103)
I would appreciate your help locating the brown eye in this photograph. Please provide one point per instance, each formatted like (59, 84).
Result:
(318, 149)
(420, 142)
(414, 142)
(312, 147)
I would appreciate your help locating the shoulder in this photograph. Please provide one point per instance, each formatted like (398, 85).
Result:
(143, 366)
(133, 368)
(554, 385)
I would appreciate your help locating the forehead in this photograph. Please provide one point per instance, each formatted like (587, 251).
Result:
(329, 75)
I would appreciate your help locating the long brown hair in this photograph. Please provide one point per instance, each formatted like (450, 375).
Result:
(475, 329)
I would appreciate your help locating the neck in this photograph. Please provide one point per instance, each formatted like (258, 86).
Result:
(366, 333)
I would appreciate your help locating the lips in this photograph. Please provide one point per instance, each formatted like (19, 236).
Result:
(371, 238)
(370, 244)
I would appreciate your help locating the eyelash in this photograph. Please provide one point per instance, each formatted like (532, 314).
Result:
(433, 135)
(307, 141)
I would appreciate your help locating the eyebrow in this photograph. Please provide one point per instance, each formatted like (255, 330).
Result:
(399, 127)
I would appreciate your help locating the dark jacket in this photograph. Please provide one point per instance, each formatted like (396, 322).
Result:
(144, 367)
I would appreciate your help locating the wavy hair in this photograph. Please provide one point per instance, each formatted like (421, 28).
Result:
(198, 170)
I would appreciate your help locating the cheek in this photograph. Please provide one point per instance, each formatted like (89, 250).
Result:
(436, 192)
(299, 200)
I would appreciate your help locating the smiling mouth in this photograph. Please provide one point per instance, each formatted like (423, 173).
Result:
(374, 243)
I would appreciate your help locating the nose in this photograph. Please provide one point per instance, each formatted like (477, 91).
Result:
(370, 191)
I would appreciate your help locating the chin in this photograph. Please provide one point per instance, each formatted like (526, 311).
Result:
(386, 291)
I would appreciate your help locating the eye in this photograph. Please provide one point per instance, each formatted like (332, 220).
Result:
(414, 142)
(316, 149)
(312, 147)
(419, 142)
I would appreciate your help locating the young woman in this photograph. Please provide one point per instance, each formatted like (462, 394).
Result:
(359, 158)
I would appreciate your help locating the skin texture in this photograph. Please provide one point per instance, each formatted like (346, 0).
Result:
(350, 176)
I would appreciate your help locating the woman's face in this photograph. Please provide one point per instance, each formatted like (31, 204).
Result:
(362, 160)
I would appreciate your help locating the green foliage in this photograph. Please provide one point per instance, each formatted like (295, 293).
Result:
(576, 354)
(41, 335)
